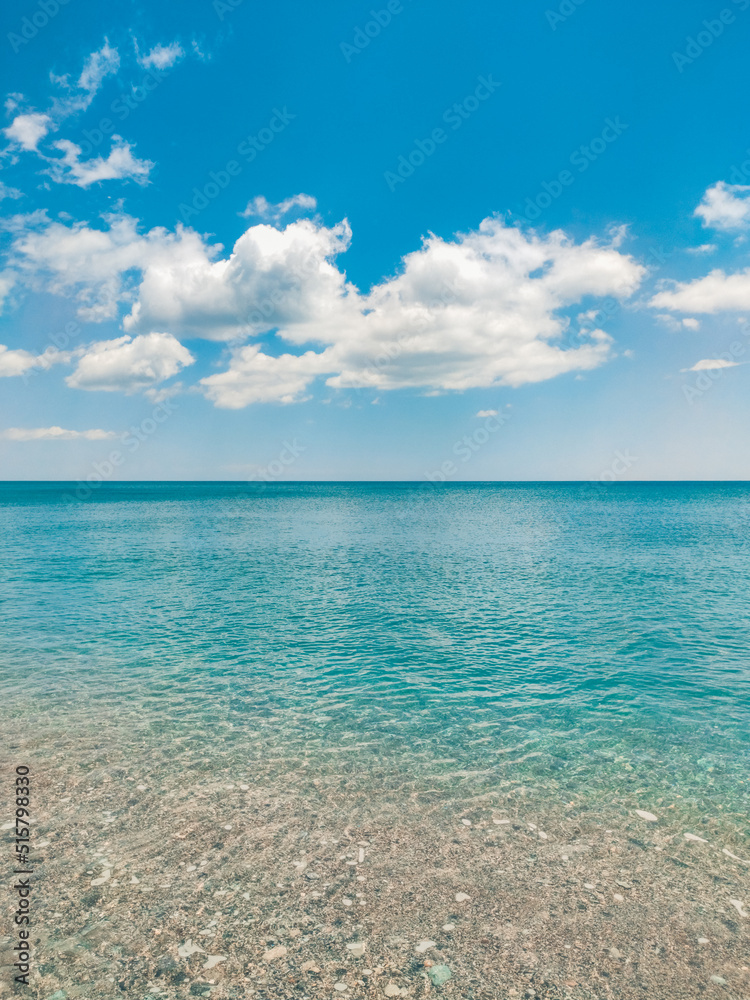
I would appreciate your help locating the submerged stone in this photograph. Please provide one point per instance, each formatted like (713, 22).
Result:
(439, 974)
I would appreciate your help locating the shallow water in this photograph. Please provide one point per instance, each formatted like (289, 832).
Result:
(582, 639)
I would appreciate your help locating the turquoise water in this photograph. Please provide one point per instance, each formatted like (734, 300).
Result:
(574, 637)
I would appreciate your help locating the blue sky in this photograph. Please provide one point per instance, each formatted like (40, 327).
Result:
(400, 241)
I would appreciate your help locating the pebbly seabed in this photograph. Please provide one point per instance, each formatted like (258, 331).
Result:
(167, 874)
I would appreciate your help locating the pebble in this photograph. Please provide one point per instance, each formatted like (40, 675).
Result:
(734, 857)
(357, 948)
(311, 875)
(615, 953)
(213, 960)
(693, 836)
(739, 907)
(439, 974)
(649, 817)
(347, 902)
(188, 948)
(718, 980)
(501, 822)
(273, 953)
(340, 987)
(461, 897)
(309, 967)
(424, 946)
(449, 927)
(466, 822)
(619, 898)
(392, 991)
(703, 941)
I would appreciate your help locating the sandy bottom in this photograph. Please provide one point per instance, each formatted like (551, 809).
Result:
(162, 877)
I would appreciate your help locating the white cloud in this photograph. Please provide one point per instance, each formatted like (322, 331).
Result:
(8, 192)
(690, 323)
(29, 129)
(100, 64)
(725, 206)
(710, 364)
(479, 311)
(486, 413)
(18, 362)
(98, 268)
(261, 208)
(714, 293)
(127, 364)
(161, 56)
(486, 308)
(15, 362)
(703, 248)
(272, 279)
(255, 377)
(119, 165)
(54, 434)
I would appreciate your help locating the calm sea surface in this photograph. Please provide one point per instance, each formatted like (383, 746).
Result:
(577, 638)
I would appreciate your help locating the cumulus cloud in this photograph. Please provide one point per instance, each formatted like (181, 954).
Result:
(15, 362)
(119, 165)
(260, 208)
(19, 362)
(725, 206)
(28, 130)
(161, 56)
(255, 377)
(716, 292)
(128, 364)
(481, 310)
(489, 307)
(99, 268)
(271, 279)
(486, 413)
(54, 434)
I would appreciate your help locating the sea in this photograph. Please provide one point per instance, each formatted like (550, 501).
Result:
(579, 639)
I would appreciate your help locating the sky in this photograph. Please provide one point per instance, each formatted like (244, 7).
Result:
(405, 241)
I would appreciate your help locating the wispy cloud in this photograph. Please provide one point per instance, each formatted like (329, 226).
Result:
(160, 56)
(121, 164)
(260, 208)
(54, 434)
(711, 364)
(9, 192)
